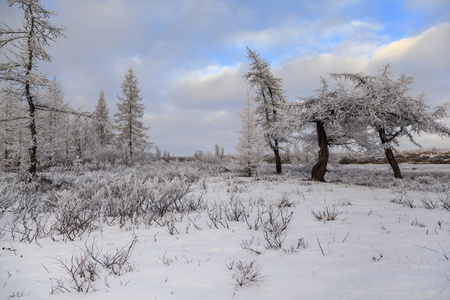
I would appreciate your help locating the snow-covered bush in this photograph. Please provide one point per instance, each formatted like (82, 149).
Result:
(129, 197)
(74, 215)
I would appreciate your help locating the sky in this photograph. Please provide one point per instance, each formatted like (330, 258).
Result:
(190, 55)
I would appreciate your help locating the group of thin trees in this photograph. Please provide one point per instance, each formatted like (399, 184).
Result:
(36, 126)
(358, 112)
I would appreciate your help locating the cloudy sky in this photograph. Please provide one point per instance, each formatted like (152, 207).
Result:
(189, 55)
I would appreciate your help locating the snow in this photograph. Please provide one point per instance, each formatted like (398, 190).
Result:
(375, 249)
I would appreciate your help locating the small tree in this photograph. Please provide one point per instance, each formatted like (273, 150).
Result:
(128, 121)
(251, 144)
(27, 48)
(386, 107)
(101, 120)
(216, 150)
(270, 101)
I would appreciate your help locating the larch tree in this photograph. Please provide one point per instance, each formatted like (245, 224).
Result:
(270, 102)
(335, 123)
(128, 121)
(251, 144)
(50, 122)
(25, 47)
(12, 127)
(101, 120)
(387, 108)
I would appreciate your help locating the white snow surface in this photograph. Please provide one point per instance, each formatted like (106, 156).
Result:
(375, 249)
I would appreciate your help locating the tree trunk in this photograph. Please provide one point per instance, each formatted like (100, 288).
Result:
(32, 108)
(33, 149)
(276, 151)
(390, 154)
(320, 168)
(393, 162)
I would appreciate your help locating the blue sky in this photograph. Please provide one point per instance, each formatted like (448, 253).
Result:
(189, 56)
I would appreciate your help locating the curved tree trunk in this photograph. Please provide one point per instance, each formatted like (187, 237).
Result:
(393, 162)
(320, 168)
(390, 154)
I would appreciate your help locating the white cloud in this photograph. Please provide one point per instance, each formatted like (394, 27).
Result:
(209, 88)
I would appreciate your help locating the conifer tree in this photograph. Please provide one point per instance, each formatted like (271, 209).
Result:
(251, 144)
(101, 120)
(50, 122)
(128, 121)
(27, 47)
(270, 101)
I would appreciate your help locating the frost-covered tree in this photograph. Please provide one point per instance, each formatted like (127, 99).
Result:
(270, 102)
(128, 121)
(50, 122)
(101, 121)
(12, 127)
(250, 146)
(384, 104)
(335, 123)
(25, 47)
(216, 150)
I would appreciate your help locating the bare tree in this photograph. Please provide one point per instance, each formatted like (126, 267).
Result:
(270, 101)
(26, 47)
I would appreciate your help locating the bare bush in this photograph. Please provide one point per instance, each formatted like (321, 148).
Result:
(116, 262)
(251, 246)
(327, 214)
(446, 202)
(404, 200)
(246, 273)
(85, 268)
(216, 215)
(430, 203)
(235, 210)
(275, 226)
(82, 272)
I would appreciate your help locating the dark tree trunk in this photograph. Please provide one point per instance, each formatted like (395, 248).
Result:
(320, 168)
(32, 108)
(390, 154)
(393, 162)
(33, 149)
(276, 151)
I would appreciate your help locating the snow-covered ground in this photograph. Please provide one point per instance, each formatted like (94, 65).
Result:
(375, 248)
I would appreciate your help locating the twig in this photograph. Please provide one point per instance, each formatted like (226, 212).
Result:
(320, 247)
(443, 254)
(45, 268)
(345, 237)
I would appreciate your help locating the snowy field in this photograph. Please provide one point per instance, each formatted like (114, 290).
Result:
(241, 238)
